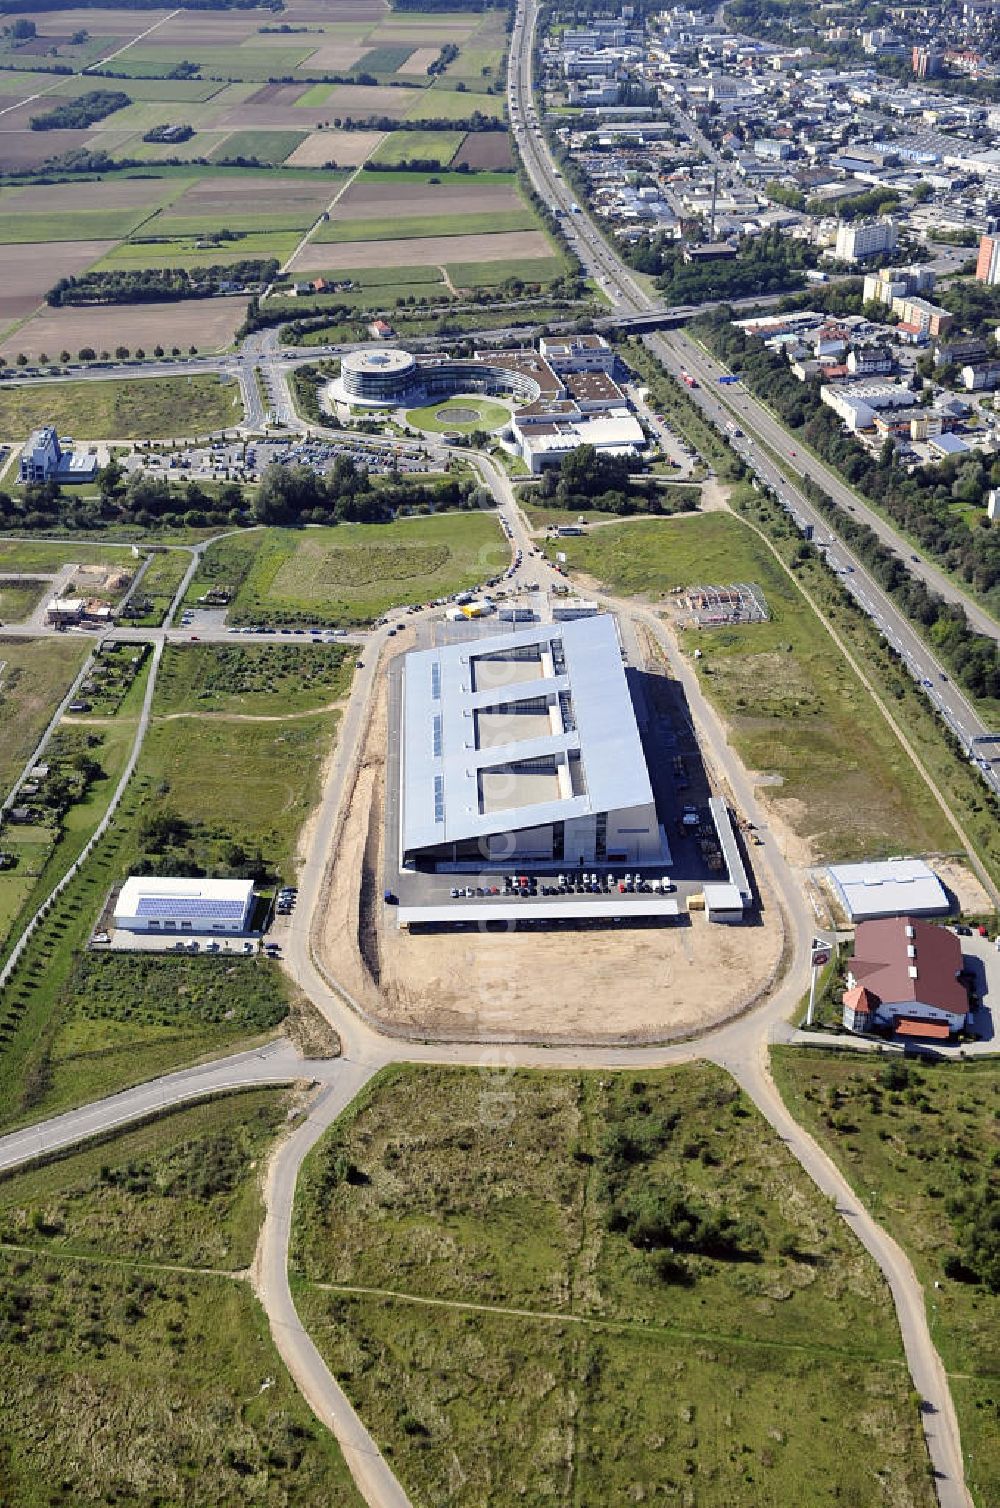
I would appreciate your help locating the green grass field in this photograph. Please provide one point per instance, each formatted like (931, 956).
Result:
(127, 1381)
(914, 1139)
(442, 103)
(403, 228)
(352, 573)
(80, 225)
(159, 585)
(783, 687)
(141, 408)
(19, 599)
(259, 679)
(654, 1302)
(413, 146)
(450, 416)
(271, 147)
(189, 251)
(182, 1188)
(492, 274)
(35, 677)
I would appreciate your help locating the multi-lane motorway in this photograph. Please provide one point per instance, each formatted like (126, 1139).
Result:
(676, 351)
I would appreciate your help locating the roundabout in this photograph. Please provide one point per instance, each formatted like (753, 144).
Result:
(459, 416)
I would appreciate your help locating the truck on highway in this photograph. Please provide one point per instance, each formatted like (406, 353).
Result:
(574, 208)
(687, 379)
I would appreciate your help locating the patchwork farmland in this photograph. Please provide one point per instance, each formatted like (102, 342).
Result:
(242, 157)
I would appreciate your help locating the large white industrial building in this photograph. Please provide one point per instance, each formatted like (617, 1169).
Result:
(523, 747)
(151, 903)
(888, 887)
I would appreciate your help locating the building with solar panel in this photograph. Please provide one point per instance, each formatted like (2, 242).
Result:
(524, 746)
(151, 903)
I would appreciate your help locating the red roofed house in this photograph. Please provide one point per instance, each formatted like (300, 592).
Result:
(905, 975)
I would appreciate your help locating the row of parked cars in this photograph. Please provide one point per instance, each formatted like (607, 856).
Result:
(527, 885)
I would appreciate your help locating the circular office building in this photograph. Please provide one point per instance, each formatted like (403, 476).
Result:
(377, 377)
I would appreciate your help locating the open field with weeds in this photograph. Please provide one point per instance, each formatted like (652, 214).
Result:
(206, 324)
(919, 1143)
(36, 675)
(158, 587)
(136, 408)
(691, 1316)
(258, 679)
(351, 573)
(18, 599)
(791, 701)
(183, 1188)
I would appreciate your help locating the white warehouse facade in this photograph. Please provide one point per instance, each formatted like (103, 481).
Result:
(523, 747)
(153, 903)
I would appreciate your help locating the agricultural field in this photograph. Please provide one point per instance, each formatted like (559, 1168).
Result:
(513, 248)
(438, 147)
(28, 270)
(783, 688)
(132, 408)
(257, 679)
(352, 573)
(510, 1272)
(126, 1378)
(206, 324)
(461, 415)
(898, 1131)
(36, 675)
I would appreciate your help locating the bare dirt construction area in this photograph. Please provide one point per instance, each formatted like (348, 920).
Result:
(209, 324)
(28, 271)
(371, 201)
(484, 149)
(348, 149)
(963, 885)
(588, 986)
(423, 251)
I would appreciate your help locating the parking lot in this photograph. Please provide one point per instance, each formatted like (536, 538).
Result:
(246, 460)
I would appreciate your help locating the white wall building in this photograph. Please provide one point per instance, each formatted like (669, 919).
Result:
(857, 240)
(153, 903)
(523, 748)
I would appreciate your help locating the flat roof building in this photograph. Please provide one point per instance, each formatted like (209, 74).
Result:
(154, 903)
(523, 747)
(889, 887)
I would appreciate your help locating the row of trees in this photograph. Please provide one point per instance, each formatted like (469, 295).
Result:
(77, 114)
(921, 503)
(128, 285)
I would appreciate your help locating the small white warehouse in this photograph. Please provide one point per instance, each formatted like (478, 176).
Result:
(888, 887)
(153, 903)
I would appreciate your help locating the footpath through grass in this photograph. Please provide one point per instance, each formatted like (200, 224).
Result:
(216, 797)
(920, 1145)
(699, 1320)
(140, 408)
(792, 702)
(125, 1381)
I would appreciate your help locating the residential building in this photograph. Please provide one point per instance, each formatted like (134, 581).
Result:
(981, 377)
(929, 319)
(905, 976)
(857, 240)
(988, 261)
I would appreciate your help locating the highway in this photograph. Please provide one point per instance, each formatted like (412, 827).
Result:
(675, 350)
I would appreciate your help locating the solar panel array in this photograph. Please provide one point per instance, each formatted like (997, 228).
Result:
(190, 908)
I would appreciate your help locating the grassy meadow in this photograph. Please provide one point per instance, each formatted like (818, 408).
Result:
(571, 1288)
(36, 675)
(137, 408)
(783, 687)
(256, 679)
(351, 573)
(919, 1144)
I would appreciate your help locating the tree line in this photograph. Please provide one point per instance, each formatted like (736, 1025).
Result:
(159, 284)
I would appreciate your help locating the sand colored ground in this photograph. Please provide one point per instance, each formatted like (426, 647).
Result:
(100, 23)
(373, 201)
(418, 62)
(189, 29)
(333, 57)
(207, 323)
(423, 251)
(348, 149)
(435, 30)
(591, 985)
(29, 270)
(20, 147)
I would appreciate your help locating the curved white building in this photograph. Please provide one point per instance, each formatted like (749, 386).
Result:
(385, 376)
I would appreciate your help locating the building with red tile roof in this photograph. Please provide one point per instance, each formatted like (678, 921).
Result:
(905, 975)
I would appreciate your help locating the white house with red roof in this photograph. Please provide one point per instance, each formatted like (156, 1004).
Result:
(905, 975)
